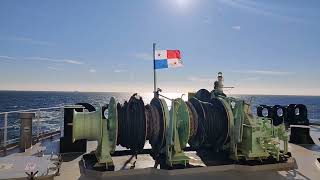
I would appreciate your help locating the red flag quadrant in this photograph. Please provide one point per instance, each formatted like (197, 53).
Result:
(167, 59)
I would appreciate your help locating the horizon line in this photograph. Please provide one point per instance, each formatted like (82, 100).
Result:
(77, 91)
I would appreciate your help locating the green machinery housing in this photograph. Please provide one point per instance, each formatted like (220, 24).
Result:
(207, 120)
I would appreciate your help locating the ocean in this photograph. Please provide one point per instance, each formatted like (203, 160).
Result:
(51, 119)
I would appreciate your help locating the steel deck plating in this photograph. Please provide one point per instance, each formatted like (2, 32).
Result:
(303, 165)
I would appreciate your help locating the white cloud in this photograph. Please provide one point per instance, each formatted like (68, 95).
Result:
(29, 40)
(143, 56)
(273, 72)
(259, 8)
(120, 70)
(21, 39)
(40, 58)
(67, 61)
(198, 79)
(249, 79)
(7, 57)
(207, 20)
(264, 72)
(236, 27)
(70, 61)
(55, 68)
(92, 70)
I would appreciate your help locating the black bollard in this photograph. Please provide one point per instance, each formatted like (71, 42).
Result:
(300, 135)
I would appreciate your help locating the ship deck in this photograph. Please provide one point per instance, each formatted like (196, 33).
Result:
(304, 164)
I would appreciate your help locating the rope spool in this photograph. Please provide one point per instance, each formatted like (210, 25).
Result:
(122, 109)
(218, 123)
(139, 122)
(133, 124)
(213, 124)
(207, 123)
(193, 119)
(158, 139)
(153, 124)
(203, 95)
(121, 121)
(199, 137)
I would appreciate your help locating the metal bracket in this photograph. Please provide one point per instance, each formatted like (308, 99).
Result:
(31, 175)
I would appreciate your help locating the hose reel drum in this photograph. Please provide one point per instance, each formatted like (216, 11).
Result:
(213, 123)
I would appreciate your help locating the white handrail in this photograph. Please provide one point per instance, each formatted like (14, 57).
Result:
(5, 132)
(7, 126)
(27, 110)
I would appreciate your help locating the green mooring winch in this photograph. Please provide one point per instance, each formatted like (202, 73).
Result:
(208, 120)
(99, 126)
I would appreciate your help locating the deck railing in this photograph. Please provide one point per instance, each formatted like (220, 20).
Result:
(314, 114)
(46, 121)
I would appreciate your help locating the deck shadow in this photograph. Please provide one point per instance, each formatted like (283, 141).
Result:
(67, 157)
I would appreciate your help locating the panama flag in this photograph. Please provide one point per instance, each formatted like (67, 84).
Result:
(167, 59)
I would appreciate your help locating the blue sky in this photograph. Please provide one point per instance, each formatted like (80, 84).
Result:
(262, 47)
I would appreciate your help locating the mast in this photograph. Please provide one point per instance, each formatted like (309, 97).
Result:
(154, 72)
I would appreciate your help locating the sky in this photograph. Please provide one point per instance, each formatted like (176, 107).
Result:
(262, 47)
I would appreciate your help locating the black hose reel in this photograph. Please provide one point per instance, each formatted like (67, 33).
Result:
(133, 126)
(139, 122)
(213, 129)
(203, 95)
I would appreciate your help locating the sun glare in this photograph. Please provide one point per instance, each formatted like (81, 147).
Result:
(183, 3)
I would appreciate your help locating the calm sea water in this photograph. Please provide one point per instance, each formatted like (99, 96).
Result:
(19, 100)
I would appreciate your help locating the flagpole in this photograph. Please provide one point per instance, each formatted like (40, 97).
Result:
(154, 72)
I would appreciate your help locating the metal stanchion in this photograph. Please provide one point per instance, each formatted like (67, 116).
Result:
(5, 132)
(38, 126)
